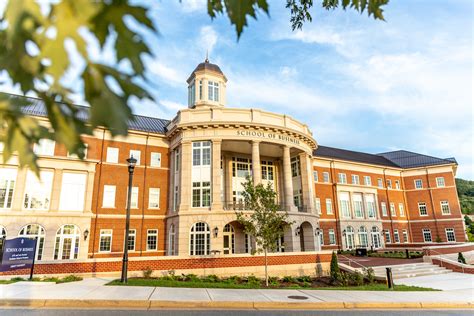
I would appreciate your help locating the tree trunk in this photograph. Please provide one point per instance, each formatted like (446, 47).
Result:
(266, 268)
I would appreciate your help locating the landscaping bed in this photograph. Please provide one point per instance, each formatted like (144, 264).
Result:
(394, 254)
(66, 279)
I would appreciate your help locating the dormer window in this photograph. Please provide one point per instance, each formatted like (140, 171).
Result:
(192, 94)
(213, 91)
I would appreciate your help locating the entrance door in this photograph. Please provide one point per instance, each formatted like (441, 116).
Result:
(228, 236)
(301, 238)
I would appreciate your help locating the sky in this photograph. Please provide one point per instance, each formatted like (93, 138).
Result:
(358, 83)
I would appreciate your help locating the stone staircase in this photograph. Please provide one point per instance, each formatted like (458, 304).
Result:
(410, 270)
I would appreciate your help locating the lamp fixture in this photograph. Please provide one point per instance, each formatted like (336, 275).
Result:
(86, 234)
(297, 231)
(317, 231)
(216, 232)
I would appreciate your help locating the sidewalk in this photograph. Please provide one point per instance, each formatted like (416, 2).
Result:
(92, 293)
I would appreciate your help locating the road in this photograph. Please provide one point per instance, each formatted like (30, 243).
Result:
(101, 312)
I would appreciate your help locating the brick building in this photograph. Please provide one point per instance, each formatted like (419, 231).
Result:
(188, 180)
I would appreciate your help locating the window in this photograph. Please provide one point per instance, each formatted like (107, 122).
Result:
(105, 240)
(134, 199)
(213, 91)
(341, 178)
(268, 170)
(328, 206)
(332, 237)
(3, 233)
(152, 240)
(295, 167)
(136, 154)
(132, 234)
(73, 191)
(405, 236)
(349, 237)
(112, 155)
(344, 201)
(171, 240)
(367, 180)
(154, 198)
(445, 208)
(7, 186)
(355, 179)
(389, 183)
(440, 182)
(228, 239)
(201, 194)
(422, 208)
(363, 238)
(192, 93)
(315, 176)
(280, 244)
(375, 234)
(427, 235)
(202, 153)
(393, 212)
(370, 205)
(396, 236)
(67, 242)
(388, 239)
(200, 89)
(45, 147)
(317, 203)
(450, 236)
(397, 184)
(176, 160)
(34, 231)
(383, 205)
(326, 177)
(357, 202)
(298, 198)
(108, 200)
(248, 243)
(200, 240)
(38, 191)
(380, 183)
(155, 160)
(321, 237)
(401, 209)
(418, 184)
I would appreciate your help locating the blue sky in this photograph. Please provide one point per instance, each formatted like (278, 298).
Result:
(359, 84)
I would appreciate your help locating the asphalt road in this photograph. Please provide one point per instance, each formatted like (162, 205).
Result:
(101, 312)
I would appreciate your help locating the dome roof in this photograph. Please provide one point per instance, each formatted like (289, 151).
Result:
(206, 65)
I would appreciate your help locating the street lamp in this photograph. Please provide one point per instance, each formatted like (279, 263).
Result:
(131, 167)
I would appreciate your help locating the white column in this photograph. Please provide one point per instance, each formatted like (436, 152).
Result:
(307, 182)
(216, 175)
(287, 179)
(256, 169)
(185, 183)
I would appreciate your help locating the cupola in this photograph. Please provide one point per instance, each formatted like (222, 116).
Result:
(206, 86)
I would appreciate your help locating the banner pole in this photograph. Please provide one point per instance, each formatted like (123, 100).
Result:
(34, 258)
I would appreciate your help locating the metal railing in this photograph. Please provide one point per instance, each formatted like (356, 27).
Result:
(349, 260)
(443, 257)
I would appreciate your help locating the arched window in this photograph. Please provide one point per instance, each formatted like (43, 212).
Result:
(34, 231)
(376, 240)
(200, 240)
(3, 235)
(350, 243)
(171, 241)
(67, 242)
(229, 239)
(363, 240)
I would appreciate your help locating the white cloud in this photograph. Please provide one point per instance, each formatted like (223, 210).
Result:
(287, 72)
(207, 38)
(191, 6)
(172, 106)
(165, 72)
(311, 34)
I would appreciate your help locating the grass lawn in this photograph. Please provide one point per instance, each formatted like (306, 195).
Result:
(229, 285)
(66, 279)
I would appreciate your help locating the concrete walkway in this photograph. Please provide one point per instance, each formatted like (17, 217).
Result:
(93, 293)
(445, 282)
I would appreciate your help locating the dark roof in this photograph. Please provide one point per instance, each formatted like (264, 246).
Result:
(139, 123)
(206, 65)
(397, 159)
(408, 159)
(337, 153)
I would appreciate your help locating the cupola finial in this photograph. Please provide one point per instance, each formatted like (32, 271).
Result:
(207, 56)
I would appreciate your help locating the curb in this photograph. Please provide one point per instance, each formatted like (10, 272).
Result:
(246, 305)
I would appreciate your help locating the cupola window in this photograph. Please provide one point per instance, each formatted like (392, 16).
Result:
(213, 91)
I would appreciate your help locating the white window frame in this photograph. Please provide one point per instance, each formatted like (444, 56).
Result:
(151, 233)
(355, 179)
(68, 202)
(155, 160)
(383, 207)
(154, 192)
(132, 233)
(106, 233)
(202, 191)
(440, 183)
(418, 184)
(401, 209)
(332, 237)
(112, 155)
(45, 147)
(35, 188)
(368, 180)
(380, 182)
(134, 200)
(397, 184)
(201, 153)
(345, 207)
(193, 233)
(396, 236)
(109, 188)
(405, 236)
(389, 183)
(326, 177)
(447, 210)
(358, 206)
(329, 210)
(136, 154)
(447, 232)
(425, 232)
(321, 237)
(393, 210)
(59, 243)
(388, 237)
(317, 203)
(8, 178)
(315, 176)
(171, 240)
(420, 205)
(213, 91)
(342, 178)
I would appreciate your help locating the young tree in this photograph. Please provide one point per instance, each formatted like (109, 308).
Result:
(335, 273)
(266, 221)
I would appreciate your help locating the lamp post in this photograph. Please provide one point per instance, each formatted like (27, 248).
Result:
(131, 167)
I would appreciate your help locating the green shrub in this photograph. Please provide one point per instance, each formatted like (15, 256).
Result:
(17, 279)
(234, 279)
(273, 281)
(461, 258)
(212, 278)
(253, 280)
(335, 273)
(69, 278)
(306, 284)
(304, 278)
(356, 278)
(370, 275)
(289, 279)
(147, 273)
(191, 278)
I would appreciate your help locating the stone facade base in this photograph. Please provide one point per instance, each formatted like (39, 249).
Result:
(309, 263)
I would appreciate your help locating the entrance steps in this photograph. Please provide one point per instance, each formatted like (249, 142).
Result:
(410, 270)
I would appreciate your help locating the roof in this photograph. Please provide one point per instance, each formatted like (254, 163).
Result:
(141, 123)
(398, 159)
(206, 65)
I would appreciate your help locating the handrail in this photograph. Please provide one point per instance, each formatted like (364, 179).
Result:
(441, 258)
(351, 260)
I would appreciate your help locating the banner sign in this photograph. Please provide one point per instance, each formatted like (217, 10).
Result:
(18, 253)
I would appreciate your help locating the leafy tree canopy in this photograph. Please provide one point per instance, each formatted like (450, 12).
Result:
(36, 47)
